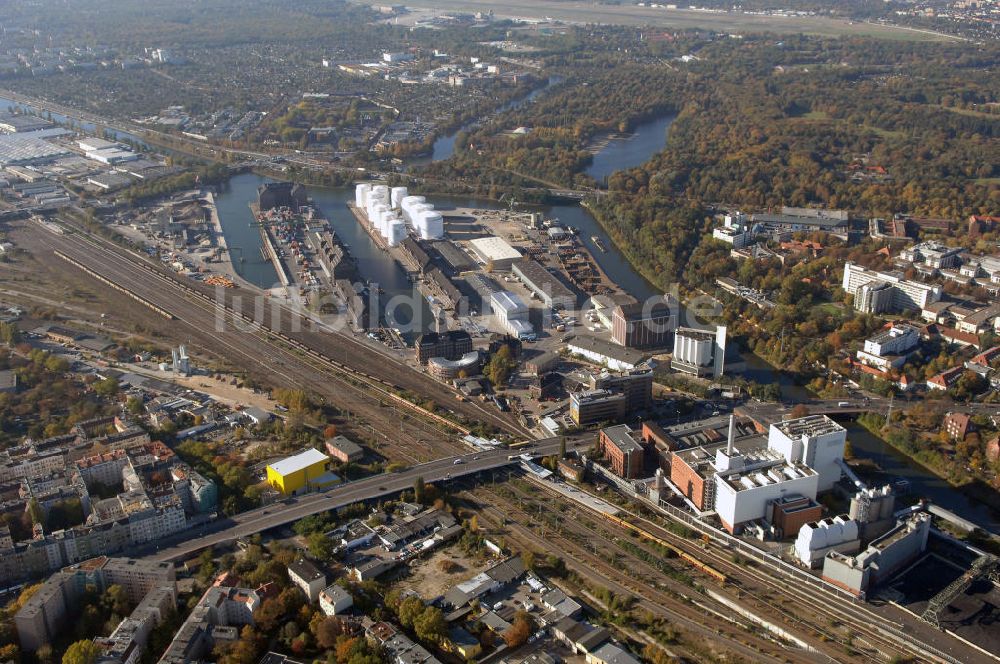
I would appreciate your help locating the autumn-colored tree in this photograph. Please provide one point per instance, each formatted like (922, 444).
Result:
(799, 410)
(519, 631)
(330, 431)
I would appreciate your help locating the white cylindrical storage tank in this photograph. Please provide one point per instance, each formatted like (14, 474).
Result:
(381, 191)
(432, 225)
(361, 194)
(407, 206)
(396, 196)
(377, 213)
(397, 232)
(416, 211)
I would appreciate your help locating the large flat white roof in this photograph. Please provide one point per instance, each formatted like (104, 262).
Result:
(507, 301)
(298, 462)
(494, 248)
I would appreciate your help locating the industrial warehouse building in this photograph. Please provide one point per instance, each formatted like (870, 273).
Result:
(599, 351)
(494, 252)
(621, 449)
(543, 284)
(300, 473)
(511, 314)
(450, 345)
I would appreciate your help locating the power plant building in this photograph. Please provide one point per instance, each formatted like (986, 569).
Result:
(815, 441)
(749, 486)
(882, 559)
(819, 538)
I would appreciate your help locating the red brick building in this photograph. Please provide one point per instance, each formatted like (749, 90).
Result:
(690, 471)
(626, 456)
(790, 513)
(958, 425)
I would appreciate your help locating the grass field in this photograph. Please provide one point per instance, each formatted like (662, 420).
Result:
(575, 11)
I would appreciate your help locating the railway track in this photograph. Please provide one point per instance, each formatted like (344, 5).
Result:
(119, 266)
(865, 625)
(869, 629)
(737, 635)
(291, 365)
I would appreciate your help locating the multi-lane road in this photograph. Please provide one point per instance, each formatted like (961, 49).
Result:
(292, 509)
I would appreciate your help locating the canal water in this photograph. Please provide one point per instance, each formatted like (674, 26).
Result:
(374, 264)
(89, 127)
(444, 146)
(636, 148)
(922, 482)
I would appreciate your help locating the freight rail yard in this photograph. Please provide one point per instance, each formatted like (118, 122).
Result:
(264, 347)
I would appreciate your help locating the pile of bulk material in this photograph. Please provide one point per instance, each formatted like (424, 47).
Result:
(381, 205)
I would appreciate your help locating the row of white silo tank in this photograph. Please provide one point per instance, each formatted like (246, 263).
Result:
(380, 204)
(422, 217)
(376, 201)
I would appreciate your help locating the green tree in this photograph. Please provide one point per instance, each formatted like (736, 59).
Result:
(409, 610)
(107, 387)
(430, 625)
(9, 334)
(84, 651)
(320, 546)
(419, 490)
(117, 600)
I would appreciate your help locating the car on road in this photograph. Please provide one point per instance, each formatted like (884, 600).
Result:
(458, 462)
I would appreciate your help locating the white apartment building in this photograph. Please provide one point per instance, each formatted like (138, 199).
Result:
(889, 348)
(734, 236)
(334, 600)
(878, 292)
(932, 254)
(308, 577)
